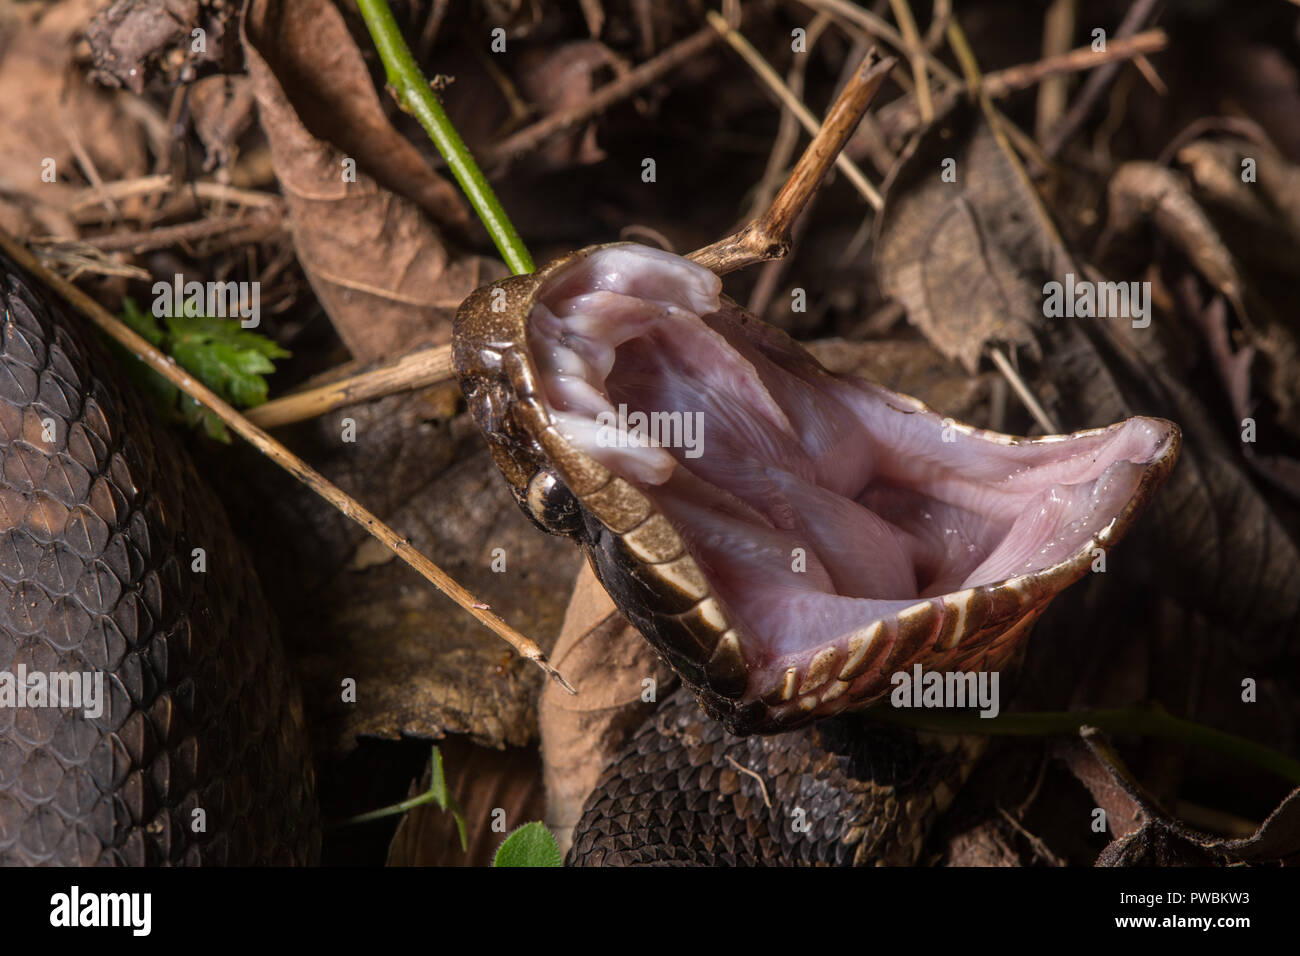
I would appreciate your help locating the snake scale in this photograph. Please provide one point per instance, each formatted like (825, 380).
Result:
(844, 792)
(200, 752)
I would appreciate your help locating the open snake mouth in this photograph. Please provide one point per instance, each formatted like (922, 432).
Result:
(840, 528)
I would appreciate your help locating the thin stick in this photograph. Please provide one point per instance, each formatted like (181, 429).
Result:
(259, 224)
(1148, 71)
(916, 54)
(1058, 33)
(602, 99)
(1003, 82)
(286, 459)
(1045, 421)
(415, 96)
(793, 103)
(769, 236)
(1097, 83)
(147, 185)
(421, 368)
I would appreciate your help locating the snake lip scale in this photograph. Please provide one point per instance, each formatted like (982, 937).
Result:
(826, 533)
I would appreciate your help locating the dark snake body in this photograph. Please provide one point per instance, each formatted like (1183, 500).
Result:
(100, 511)
(846, 791)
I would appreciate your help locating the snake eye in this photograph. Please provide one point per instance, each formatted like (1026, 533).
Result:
(551, 504)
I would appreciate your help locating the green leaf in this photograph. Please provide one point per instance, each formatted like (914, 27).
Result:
(220, 353)
(142, 324)
(530, 845)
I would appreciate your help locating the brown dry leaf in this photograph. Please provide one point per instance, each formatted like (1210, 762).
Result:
(49, 111)
(349, 609)
(607, 660)
(375, 250)
(1140, 191)
(965, 258)
(560, 78)
(1144, 835)
(223, 108)
(483, 782)
(423, 667)
(133, 39)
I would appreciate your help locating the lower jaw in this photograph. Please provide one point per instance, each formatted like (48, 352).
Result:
(755, 683)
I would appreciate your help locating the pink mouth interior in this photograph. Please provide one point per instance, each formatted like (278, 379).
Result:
(889, 504)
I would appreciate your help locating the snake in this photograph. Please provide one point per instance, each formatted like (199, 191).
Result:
(148, 715)
(793, 543)
(788, 541)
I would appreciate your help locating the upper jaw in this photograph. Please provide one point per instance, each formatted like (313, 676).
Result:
(698, 550)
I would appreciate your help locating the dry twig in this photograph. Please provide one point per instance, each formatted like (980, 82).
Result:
(602, 99)
(769, 236)
(417, 370)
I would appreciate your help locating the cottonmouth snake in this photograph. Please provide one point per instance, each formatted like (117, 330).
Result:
(200, 753)
(789, 542)
(905, 552)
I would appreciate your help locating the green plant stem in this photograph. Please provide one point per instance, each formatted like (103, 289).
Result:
(1144, 720)
(416, 97)
(436, 794)
(393, 809)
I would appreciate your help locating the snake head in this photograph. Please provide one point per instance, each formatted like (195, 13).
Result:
(786, 538)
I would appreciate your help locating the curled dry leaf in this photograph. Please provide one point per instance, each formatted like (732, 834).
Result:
(1270, 203)
(1140, 191)
(1260, 222)
(608, 662)
(1144, 835)
(375, 249)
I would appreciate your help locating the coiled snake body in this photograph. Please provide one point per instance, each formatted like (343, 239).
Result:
(844, 792)
(200, 753)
